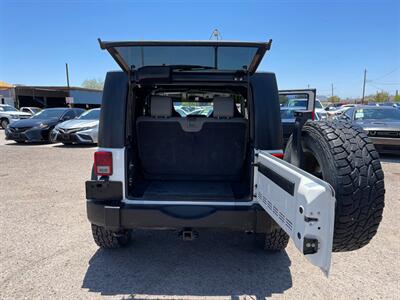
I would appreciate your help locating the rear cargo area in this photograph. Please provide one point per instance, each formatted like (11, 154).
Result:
(191, 158)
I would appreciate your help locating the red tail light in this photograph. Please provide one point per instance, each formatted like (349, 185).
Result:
(103, 165)
(313, 115)
(278, 155)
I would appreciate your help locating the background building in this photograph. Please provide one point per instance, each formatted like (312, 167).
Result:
(49, 96)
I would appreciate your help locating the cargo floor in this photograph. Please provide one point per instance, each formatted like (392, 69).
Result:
(189, 190)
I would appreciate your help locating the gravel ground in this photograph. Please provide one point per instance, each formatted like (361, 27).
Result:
(46, 248)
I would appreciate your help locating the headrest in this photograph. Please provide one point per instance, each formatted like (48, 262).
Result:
(161, 106)
(223, 107)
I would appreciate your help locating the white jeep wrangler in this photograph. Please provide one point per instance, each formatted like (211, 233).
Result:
(191, 137)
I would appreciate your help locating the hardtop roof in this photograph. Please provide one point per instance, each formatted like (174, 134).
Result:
(220, 55)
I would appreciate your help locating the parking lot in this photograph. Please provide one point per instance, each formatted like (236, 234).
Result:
(47, 251)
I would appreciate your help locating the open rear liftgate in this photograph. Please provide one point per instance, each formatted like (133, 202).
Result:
(303, 205)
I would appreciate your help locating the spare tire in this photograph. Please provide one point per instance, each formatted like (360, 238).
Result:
(342, 155)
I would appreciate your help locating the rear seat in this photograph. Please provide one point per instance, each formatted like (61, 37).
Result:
(191, 148)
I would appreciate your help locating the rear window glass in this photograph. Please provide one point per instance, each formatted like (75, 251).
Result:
(300, 101)
(221, 58)
(185, 109)
(287, 113)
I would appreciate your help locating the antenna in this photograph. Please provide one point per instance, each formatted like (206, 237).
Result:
(216, 35)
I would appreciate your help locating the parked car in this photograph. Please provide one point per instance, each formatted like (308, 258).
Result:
(38, 127)
(82, 130)
(292, 105)
(381, 123)
(320, 112)
(9, 114)
(288, 120)
(30, 110)
(223, 171)
(335, 114)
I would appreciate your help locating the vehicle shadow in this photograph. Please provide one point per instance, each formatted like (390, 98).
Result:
(75, 145)
(13, 143)
(216, 264)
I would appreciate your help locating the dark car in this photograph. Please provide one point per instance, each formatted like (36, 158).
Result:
(381, 123)
(38, 127)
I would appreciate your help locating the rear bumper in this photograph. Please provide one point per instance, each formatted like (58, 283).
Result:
(252, 218)
(386, 145)
(385, 141)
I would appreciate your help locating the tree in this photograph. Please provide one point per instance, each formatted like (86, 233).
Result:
(381, 96)
(334, 99)
(93, 84)
(397, 98)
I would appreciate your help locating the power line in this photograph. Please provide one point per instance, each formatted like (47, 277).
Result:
(394, 70)
(386, 83)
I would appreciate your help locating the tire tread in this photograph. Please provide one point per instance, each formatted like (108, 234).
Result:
(359, 183)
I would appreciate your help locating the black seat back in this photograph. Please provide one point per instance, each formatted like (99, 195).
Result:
(190, 148)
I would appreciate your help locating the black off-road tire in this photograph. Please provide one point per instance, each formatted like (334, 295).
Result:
(110, 239)
(343, 155)
(276, 240)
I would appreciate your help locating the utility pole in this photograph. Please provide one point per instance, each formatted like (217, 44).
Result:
(66, 72)
(365, 80)
(332, 90)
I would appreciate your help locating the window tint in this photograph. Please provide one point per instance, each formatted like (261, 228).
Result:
(8, 108)
(318, 104)
(78, 112)
(235, 58)
(294, 100)
(287, 113)
(349, 113)
(93, 114)
(193, 108)
(49, 114)
(228, 58)
(69, 114)
(377, 114)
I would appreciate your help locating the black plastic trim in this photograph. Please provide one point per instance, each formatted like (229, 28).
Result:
(113, 111)
(282, 182)
(267, 125)
(251, 218)
(101, 190)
